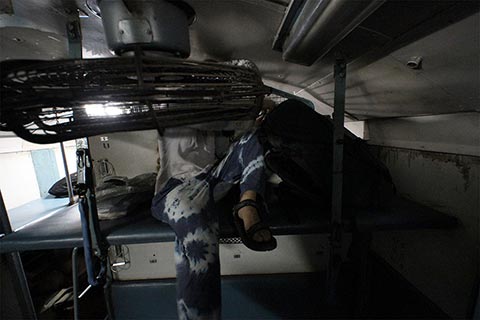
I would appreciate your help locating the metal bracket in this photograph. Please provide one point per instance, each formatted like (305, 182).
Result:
(81, 171)
(120, 258)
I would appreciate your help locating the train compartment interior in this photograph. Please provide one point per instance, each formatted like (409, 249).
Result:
(90, 88)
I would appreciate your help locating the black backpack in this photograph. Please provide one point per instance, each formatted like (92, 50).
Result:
(299, 146)
(59, 189)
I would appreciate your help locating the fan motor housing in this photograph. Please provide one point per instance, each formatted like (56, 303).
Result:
(152, 25)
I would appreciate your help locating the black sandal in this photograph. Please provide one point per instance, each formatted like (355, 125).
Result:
(247, 236)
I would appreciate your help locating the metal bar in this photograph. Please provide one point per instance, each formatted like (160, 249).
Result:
(84, 292)
(141, 85)
(75, 52)
(99, 245)
(335, 259)
(68, 179)
(288, 20)
(338, 140)
(361, 243)
(107, 292)
(5, 226)
(98, 242)
(20, 279)
(95, 238)
(75, 283)
(291, 96)
(321, 25)
(14, 260)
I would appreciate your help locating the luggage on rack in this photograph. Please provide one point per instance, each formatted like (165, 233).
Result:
(299, 147)
(120, 196)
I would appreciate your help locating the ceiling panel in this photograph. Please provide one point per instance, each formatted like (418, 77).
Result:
(448, 82)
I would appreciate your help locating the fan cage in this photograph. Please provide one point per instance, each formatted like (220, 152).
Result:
(52, 101)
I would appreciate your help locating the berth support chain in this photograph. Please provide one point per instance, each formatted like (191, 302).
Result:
(94, 243)
(95, 246)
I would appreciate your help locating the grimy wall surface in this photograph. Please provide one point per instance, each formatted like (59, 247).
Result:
(444, 174)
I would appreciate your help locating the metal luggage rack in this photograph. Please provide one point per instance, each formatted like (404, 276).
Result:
(52, 101)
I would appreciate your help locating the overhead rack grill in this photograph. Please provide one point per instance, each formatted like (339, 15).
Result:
(52, 101)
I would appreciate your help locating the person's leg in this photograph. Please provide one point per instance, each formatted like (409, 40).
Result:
(186, 207)
(198, 276)
(245, 164)
(250, 217)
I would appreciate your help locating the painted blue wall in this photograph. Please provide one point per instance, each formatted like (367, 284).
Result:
(46, 169)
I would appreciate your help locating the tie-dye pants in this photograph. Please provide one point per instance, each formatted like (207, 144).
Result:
(188, 206)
